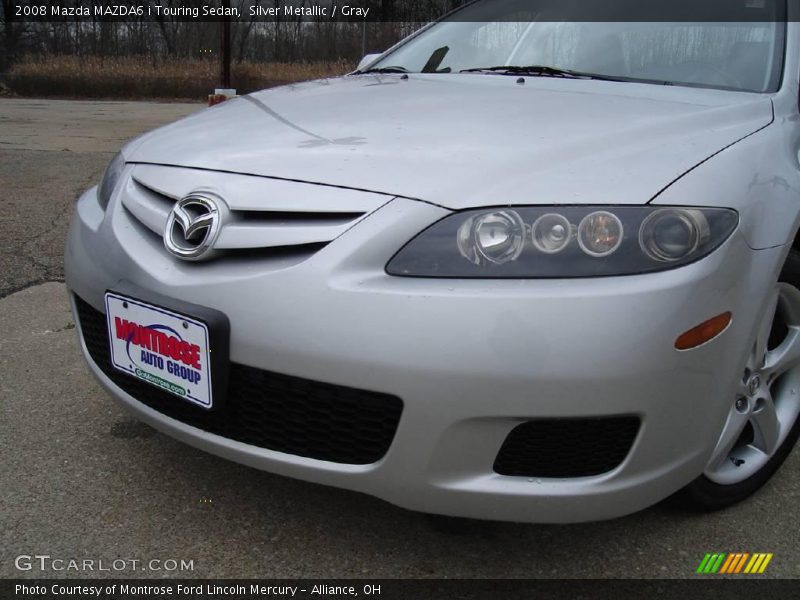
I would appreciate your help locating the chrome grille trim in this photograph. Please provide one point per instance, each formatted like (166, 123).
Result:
(149, 207)
(265, 213)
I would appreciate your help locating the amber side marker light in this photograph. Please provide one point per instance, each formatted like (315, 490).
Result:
(705, 332)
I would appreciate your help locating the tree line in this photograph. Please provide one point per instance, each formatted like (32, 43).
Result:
(288, 39)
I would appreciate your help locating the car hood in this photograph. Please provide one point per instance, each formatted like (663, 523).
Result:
(467, 140)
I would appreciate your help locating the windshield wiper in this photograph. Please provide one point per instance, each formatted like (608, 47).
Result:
(386, 70)
(540, 71)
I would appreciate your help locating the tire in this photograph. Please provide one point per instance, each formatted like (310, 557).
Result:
(705, 495)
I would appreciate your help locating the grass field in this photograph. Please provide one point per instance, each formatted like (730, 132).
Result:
(135, 77)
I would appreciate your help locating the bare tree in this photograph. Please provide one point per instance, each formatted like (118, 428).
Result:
(282, 39)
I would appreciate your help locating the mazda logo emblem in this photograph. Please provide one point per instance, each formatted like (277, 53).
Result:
(193, 226)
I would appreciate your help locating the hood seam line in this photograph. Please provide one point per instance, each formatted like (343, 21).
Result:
(292, 180)
(682, 175)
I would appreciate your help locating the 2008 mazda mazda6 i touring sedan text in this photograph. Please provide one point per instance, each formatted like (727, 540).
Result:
(520, 270)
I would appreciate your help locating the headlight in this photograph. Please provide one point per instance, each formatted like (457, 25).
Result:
(551, 233)
(569, 241)
(600, 233)
(110, 179)
(670, 234)
(494, 237)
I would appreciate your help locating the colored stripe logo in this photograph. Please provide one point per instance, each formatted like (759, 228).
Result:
(719, 563)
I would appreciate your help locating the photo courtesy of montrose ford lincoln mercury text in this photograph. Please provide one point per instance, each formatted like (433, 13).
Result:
(514, 268)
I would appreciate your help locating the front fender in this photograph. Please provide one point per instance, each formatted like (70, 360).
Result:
(758, 176)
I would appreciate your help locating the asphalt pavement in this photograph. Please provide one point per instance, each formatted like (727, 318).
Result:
(81, 479)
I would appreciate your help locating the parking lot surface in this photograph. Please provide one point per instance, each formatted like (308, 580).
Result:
(81, 479)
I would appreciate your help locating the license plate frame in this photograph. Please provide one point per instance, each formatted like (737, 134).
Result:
(182, 348)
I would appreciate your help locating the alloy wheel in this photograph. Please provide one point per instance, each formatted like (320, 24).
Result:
(767, 400)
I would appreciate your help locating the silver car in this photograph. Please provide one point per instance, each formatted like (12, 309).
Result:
(518, 270)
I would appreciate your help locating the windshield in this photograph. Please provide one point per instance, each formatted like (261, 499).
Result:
(730, 55)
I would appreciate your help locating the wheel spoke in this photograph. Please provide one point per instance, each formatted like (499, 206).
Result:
(784, 357)
(789, 303)
(763, 331)
(766, 427)
(730, 434)
(741, 388)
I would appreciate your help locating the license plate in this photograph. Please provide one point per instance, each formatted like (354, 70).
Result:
(163, 348)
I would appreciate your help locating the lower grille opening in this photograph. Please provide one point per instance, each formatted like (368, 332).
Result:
(269, 410)
(567, 447)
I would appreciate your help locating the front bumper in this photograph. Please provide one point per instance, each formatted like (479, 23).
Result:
(469, 359)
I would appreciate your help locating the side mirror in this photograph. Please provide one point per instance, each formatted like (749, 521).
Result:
(366, 61)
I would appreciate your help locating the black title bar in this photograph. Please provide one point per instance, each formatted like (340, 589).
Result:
(713, 588)
(92, 11)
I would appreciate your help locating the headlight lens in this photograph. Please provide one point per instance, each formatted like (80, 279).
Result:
(670, 234)
(493, 237)
(110, 179)
(600, 233)
(569, 241)
(551, 233)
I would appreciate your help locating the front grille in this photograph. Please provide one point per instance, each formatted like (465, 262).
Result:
(269, 410)
(566, 447)
(259, 220)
